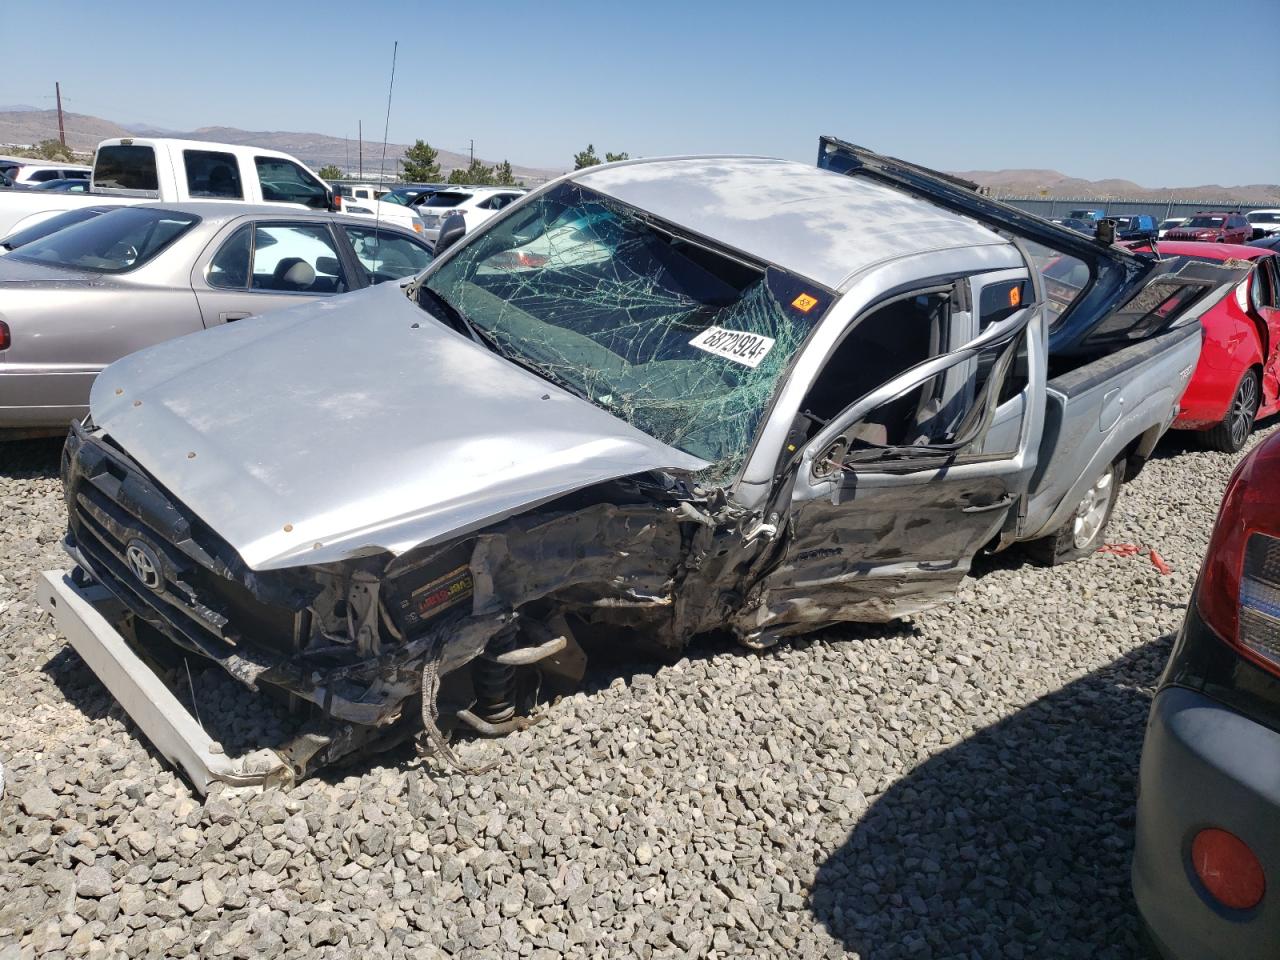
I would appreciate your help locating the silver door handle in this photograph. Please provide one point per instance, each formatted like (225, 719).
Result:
(231, 315)
(1006, 501)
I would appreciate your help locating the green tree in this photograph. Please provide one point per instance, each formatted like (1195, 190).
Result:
(476, 174)
(503, 176)
(615, 157)
(420, 164)
(587, 158)
(52, 150)
(330, 172)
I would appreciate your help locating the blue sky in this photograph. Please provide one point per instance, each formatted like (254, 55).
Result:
(1177, 93)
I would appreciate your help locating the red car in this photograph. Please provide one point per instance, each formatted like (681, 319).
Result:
(1217, 227)
(1237, 379)
(1206, 860)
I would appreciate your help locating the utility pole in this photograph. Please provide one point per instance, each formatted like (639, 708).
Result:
(360, 134)
(473, 153)
(62, 130)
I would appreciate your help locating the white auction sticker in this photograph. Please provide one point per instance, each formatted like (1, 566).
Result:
(747, 349)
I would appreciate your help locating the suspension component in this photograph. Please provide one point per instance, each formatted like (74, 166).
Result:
(495, 682)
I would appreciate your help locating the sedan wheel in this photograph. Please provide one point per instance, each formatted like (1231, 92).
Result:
(1232, 433)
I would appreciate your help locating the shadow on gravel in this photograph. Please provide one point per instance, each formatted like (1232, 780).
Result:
(30, 459)
(1014, 843)
(1176, 443)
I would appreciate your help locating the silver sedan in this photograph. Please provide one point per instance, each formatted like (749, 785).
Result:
(78, 299)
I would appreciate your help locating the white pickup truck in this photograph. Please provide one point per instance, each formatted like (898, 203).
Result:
(138, 169)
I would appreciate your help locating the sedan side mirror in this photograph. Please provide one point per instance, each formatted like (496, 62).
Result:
(451, 231)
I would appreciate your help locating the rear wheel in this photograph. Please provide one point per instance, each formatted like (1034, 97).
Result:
(1081, 534)
(1231, 434)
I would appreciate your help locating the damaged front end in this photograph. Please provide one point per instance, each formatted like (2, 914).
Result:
(490, 620)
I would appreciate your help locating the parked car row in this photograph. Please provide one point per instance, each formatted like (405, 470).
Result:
(137, 169)
(1211, 226)
(19, 172)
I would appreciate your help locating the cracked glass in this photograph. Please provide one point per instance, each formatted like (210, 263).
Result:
(681, 338)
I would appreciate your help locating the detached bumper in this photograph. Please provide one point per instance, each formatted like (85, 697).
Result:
(152, 706)
(1205, 765)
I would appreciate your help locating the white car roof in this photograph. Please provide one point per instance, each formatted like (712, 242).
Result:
(54, 166)
(815, 223)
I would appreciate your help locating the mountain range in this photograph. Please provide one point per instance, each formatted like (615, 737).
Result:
(25, 124)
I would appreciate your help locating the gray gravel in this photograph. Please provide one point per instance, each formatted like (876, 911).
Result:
(957, 785)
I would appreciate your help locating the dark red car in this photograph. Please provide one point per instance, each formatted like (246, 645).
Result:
(1217, 227)
(1206, 861)
(1237, 379)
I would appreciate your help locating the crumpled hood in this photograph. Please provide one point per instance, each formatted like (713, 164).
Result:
(349, 426)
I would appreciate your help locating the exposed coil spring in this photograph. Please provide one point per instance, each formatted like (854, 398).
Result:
(495, 683)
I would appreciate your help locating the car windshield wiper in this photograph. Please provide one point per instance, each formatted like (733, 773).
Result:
(454, 317)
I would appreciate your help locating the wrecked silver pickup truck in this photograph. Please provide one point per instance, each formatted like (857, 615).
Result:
(639, 405)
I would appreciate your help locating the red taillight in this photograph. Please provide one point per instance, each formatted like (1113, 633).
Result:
(1239, 592)
(1228, 869)
(4, 335)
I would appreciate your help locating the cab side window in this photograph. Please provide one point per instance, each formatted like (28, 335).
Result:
(212, 174)
(945, 410)
(883, 344)
(285, 182)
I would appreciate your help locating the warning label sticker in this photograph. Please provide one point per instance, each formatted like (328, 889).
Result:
(747, 349)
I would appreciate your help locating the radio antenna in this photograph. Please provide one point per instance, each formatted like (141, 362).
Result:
(382, 168)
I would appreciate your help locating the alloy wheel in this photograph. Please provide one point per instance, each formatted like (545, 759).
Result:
(1092, 511)
(1243, 408)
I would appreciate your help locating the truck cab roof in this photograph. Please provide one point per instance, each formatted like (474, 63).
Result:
(809, 221)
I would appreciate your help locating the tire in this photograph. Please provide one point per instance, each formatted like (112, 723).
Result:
(1082, 533)
(1233, 432)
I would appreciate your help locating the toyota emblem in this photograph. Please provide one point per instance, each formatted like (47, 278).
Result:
(145, 564)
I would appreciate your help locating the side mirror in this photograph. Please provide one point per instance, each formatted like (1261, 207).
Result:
(451, 231)
(333, 201)
(1106, 232)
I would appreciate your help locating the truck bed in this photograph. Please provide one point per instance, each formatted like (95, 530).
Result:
(1094, 412)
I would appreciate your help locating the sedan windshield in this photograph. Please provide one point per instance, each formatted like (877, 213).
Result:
(115, 242)
(1264, 216)
(681, 339)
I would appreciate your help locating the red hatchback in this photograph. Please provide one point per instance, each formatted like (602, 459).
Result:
(1214, 228)
(1237, 379)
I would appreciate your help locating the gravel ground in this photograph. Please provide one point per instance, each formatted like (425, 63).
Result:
(960, 784)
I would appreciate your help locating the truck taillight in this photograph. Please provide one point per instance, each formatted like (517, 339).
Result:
(1239, 592)
(4, 335)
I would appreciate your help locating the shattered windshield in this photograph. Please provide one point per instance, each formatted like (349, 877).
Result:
(683, 340)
